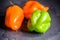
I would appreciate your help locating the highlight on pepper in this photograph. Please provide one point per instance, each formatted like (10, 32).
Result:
(14, 17)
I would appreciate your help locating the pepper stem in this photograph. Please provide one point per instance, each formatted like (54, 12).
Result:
(11, 3)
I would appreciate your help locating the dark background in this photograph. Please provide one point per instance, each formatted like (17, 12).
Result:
(52, 34)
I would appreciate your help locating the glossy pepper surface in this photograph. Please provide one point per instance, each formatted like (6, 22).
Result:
(40, 21)
(14, 17)
(31, 6)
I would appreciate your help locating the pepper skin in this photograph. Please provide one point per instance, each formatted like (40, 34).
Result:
(31, 6)
(14, 17)
(40, 21)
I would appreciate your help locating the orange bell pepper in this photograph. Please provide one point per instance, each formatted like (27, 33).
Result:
(31, 6)
(14, 17)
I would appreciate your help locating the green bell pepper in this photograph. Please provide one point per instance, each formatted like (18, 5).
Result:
(40, 21)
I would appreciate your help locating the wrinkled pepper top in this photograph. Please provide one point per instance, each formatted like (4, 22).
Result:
(40, 21)
(31, 6)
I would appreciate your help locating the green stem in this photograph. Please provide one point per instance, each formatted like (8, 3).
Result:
(11, 3)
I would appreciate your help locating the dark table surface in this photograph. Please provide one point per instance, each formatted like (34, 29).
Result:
(52, 34)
